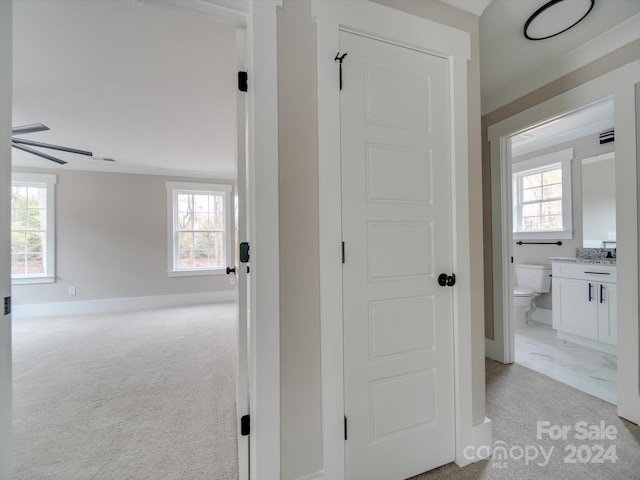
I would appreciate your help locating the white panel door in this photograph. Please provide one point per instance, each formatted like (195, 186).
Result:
(398, 321)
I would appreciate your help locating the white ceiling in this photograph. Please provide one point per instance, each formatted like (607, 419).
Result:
(153, 88)
(507, 56)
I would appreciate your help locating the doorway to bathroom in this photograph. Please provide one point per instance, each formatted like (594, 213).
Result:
(562, 239)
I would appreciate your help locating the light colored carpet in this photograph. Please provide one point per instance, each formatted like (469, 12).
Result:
(141, 395)
(517, 398)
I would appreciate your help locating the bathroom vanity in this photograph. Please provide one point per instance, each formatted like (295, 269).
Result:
(584, 302)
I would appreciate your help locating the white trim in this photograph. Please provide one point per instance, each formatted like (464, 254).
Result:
(481, 446)
(199, 187)
(263, 210)
(32, 280)
(121, 304)
(621, 84)
(400, 28)
(617, 37)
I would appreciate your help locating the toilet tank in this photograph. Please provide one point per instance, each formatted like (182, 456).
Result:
(534, 276)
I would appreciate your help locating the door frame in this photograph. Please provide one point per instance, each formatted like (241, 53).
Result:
(259, 18)
(384, 23)
(623, 84)
(6, 79)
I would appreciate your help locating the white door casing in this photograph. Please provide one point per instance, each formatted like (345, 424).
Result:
(242, 372)
(5, 242)
(393, 26)
(396, 223)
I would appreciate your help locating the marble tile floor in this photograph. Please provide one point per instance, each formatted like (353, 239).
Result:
(588, 370)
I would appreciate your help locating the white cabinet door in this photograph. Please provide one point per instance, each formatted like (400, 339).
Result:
(576, 311)
(398, 322)
(607, 313)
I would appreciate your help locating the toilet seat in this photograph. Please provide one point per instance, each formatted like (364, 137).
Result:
(523, 292)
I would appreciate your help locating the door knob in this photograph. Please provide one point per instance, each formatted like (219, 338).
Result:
(231, 270)
(445, 280)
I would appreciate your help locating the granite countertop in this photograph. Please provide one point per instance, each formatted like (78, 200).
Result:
(601, 261)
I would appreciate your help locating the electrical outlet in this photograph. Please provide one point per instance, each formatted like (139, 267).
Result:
(72, 290)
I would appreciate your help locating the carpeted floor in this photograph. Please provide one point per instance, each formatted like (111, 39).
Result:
(517, 398)
(150, 395)
(142, 395)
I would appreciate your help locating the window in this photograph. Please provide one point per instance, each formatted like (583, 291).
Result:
(200, 228)
(32, 228)
(542, 196)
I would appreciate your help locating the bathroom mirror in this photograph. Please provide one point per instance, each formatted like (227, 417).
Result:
(599, 201)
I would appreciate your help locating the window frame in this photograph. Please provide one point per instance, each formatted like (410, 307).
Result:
(561, 159)
(175, 188)
(48, 181)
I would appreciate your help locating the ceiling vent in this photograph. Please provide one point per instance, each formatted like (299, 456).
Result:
(606, 137)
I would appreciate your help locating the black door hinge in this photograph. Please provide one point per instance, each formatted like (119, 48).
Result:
(245, 425)
(342, 252)
(511, 259)
(243, 82)
(244, 252)
(345, 427)
(7, 305)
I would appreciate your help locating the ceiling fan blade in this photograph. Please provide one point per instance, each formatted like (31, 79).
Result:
(34, 127)
(37, 153)
(52, 147)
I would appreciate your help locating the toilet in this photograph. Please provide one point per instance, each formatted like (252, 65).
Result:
(531, 281)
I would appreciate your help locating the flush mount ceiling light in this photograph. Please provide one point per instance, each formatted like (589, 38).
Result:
(556, 17)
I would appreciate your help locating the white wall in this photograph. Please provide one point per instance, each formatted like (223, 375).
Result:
(584, 147)
(5, 285)
(111, 241)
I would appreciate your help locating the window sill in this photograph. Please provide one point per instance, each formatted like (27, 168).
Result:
(32, 280)
(196, 273)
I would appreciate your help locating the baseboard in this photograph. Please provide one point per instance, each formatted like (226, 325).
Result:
(542, 315)
(491, 350)
(481, 448)
(121, 304)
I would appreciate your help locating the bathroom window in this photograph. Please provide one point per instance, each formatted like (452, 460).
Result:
(542, 196)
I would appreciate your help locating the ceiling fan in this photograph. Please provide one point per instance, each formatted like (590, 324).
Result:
(25, 145)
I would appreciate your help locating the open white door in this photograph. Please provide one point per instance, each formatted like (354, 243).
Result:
(5, 272)
(242, 383)
(397, 232)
